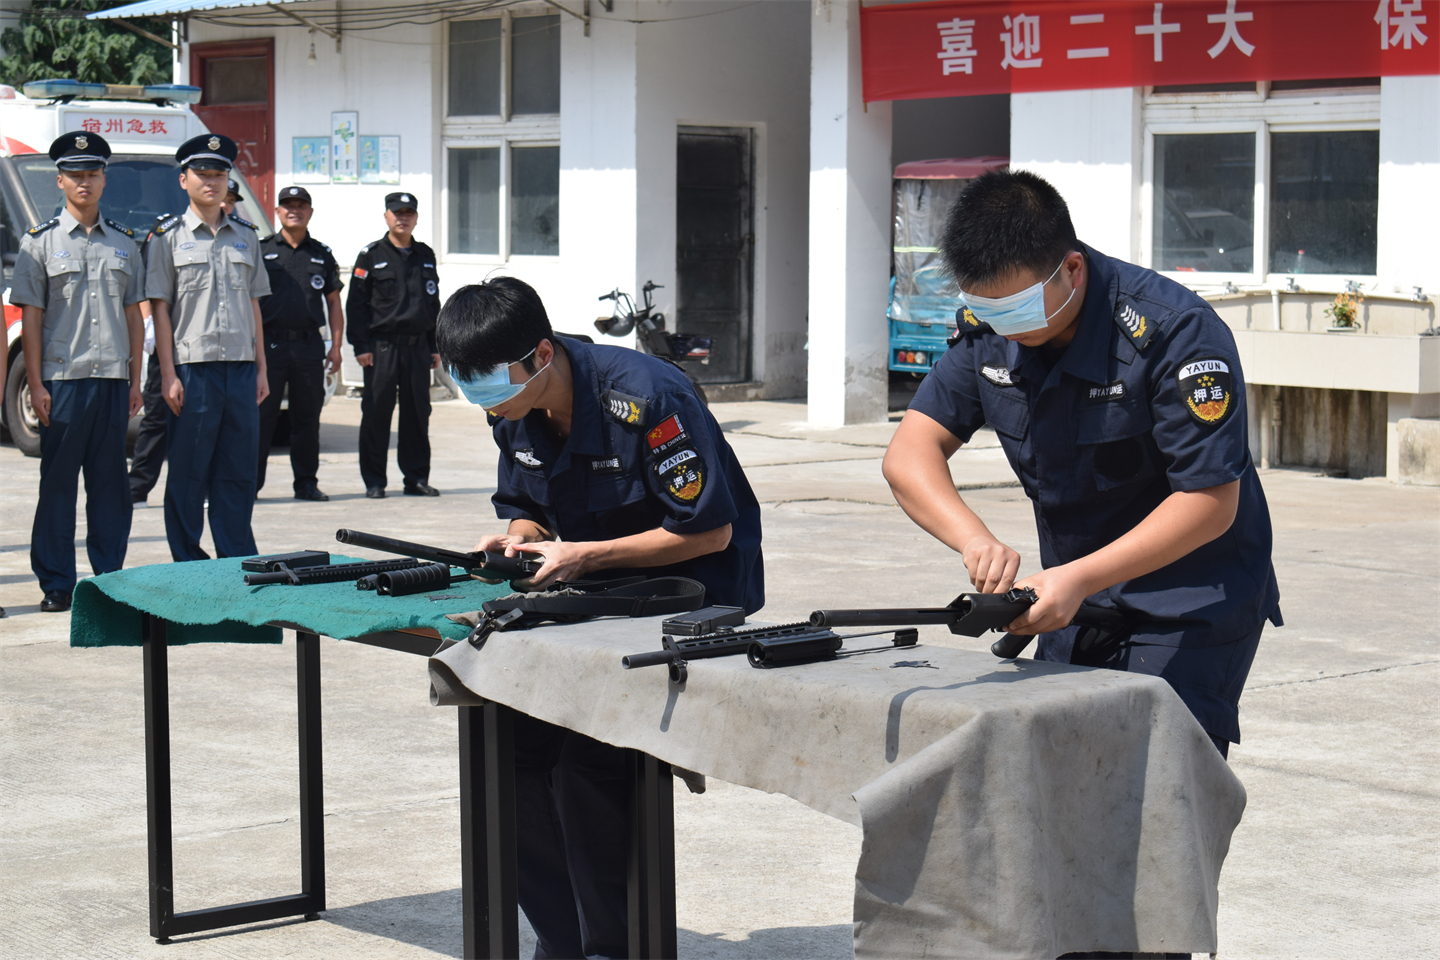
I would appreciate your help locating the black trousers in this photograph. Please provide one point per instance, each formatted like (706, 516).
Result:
(404, 370)
(573, 840)
(150, 442)
(300, 365)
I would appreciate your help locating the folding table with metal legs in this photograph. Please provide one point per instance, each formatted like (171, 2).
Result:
(489, 884)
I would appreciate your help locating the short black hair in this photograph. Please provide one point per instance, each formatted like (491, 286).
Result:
(483, 325)
(1006, 220)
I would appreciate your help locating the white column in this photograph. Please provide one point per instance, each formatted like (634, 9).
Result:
(850, 179)
(1408, 251)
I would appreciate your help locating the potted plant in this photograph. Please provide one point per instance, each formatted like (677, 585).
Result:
(1344, 310)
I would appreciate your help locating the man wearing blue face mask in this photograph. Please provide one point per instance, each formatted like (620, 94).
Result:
(1118, 398)
(609, 464)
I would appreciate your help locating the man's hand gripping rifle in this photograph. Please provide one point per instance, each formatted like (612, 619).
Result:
(972, 614)
(492, 567)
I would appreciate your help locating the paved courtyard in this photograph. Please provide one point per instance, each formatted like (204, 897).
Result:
(1337, 856)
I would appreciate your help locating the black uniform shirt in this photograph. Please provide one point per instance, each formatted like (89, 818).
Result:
(392, 293)
(643, 452)
(300, 280)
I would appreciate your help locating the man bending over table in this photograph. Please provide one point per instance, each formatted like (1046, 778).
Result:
(609, 465)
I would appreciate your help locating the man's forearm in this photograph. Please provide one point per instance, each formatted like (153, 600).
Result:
(164, 338)
(655, 548)
(259, 337)
(135, 324)
(337, 321)
(1181, 524)
(31, 321)
(917, 468)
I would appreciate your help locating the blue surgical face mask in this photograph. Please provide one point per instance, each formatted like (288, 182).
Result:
(494, 388)
(1018, 313)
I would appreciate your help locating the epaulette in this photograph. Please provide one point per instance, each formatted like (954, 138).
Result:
(967, 325)
(243, 222)
(164, 222)
(625, 408)
(326, 246)
(1134, 326)
(366, 248)
(40, 228)
(121, 227)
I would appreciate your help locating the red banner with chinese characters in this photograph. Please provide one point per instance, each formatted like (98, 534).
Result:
(956, 49)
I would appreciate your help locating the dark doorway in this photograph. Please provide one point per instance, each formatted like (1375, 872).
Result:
(238, 80)
(715, 246)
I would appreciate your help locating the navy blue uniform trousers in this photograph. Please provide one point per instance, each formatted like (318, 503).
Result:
(213, 445)
(150, 441)
(570, 793)
(86, 434)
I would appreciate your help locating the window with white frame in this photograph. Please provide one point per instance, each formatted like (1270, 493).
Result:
(501, 134)
(1245, 181)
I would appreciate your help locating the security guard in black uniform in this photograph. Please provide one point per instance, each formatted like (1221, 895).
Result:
(1118, 398)
(304, 296)
(393, 302)
(609, 464)
(78, 284)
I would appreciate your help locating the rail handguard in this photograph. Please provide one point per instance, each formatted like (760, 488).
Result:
(327, 572)
(971, 614)
(486, 565)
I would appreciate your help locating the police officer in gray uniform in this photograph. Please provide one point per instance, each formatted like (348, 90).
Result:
(77, 283)
(204, 279)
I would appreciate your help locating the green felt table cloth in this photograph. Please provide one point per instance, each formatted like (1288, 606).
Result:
(207, 601)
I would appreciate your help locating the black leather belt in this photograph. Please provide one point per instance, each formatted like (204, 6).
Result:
(291, 335)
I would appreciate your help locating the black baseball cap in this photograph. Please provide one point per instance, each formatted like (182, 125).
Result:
(80, 150)
(295, 193)
(232, 187)
(401, 201)
(209, 151)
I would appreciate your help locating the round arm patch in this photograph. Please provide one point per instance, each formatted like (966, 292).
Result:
(1207, 389)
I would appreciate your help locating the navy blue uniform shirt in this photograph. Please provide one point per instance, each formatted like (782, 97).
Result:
(1146, 400)
(643, 452)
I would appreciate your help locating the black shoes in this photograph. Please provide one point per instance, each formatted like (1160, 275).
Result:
(420, 489)
(312, 493)
(56, 601)
(375, 493)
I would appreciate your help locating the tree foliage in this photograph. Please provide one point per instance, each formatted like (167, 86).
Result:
(55, 41)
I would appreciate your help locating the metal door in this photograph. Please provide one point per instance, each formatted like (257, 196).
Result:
(715, 246)
(239, 101)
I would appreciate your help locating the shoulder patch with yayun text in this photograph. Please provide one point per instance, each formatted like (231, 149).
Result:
(1206, 387)
(625, 408)
(681, 474)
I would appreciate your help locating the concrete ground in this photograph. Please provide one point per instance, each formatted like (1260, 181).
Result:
(1337, 855)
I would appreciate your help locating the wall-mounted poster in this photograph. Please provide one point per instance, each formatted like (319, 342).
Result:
(311, 160)
(379, 159)
(345, 147)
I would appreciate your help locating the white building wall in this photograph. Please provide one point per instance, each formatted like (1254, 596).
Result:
(746, 67)
(1408, 231)
(850, 186)
(1087, 143)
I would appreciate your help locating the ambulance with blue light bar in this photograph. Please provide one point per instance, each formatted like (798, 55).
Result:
(143, 125)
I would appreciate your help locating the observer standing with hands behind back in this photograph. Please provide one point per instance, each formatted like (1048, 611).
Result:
(304, 296)
(77, 284)
(205, 281)
(393, 302)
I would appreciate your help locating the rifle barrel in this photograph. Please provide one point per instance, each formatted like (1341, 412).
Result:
(420, 551)
(883, 617)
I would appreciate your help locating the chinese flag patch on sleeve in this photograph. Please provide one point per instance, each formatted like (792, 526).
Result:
(665, 431)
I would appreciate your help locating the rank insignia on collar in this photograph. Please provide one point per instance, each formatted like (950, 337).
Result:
(1207, 389)
(625, 408)
(1107, 393)
(1138, 328)
(526, 458)
(1000, 376)
(967, 318)
(682, 475)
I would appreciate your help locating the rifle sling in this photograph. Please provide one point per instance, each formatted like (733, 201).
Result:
(634, 598)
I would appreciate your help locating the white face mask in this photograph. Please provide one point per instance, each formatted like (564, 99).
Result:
(495, 387)
(1018, 313)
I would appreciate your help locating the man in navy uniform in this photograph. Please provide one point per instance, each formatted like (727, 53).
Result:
(393, 302)
(204, 279)
(609, 464)
(304, 297)
(78, 285)
(1118, 398)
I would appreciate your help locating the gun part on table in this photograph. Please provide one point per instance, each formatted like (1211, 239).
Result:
(487, 565)
(328, 572)
(972, 614)
(777, 646)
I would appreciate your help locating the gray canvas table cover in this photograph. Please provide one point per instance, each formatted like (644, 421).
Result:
(1010, 809)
